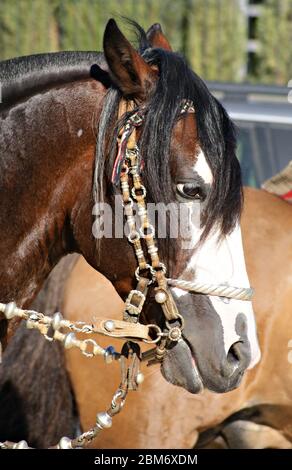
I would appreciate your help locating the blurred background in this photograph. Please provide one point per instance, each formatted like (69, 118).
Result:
(242, 48)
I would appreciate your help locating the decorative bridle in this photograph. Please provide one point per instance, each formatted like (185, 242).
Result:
(128, 164)
(126, 173)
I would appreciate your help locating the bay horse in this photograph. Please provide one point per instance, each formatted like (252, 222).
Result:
(55, 165)
(257, 414)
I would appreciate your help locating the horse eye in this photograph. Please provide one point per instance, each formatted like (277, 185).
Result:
(189, 190)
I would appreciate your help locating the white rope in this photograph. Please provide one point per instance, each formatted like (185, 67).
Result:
(221, 290)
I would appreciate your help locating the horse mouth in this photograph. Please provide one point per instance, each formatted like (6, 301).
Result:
(179, 368)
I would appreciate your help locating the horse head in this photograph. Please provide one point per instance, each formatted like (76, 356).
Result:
(187, 160)
(184, 143)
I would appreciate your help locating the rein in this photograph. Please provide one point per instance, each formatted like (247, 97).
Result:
(150, 271)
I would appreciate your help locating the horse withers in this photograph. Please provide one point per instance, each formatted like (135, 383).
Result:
(54, 169)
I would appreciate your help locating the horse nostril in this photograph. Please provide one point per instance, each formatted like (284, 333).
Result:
(237, 359)
(234, 355)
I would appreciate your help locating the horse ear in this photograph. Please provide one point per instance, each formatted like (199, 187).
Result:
(129, 71)
(156, 37)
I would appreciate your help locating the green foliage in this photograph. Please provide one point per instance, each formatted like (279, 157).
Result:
(216, 46)
(275, 37)
(211, 33)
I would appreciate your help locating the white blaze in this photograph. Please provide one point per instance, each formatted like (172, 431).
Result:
(202, 168)
(222, 262)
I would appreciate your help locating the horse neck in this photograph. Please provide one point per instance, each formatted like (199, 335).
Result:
(47, 145)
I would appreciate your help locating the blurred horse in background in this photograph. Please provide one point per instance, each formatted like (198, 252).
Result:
(259, 413)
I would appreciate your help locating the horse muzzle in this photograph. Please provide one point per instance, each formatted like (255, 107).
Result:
(179, 368)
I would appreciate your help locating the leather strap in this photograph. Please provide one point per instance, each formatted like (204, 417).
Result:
(121, 329)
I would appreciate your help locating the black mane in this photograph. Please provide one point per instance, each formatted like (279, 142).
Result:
(23, 76)
(216, 132)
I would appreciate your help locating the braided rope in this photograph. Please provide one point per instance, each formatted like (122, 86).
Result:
(221, 290)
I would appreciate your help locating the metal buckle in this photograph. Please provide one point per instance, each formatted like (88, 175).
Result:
(136, 119)
(132, 308)
(152, 271)
(160, 267)
(142, 189)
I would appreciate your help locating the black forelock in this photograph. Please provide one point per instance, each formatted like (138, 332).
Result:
(216, 134)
